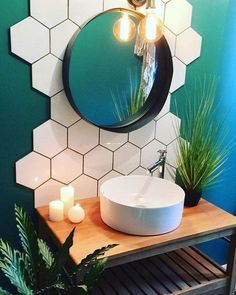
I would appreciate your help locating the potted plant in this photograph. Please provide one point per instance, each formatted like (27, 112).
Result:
(201, 149)
(37, 270)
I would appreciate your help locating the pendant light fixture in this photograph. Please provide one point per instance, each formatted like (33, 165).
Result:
(124, 28)
(149, 28)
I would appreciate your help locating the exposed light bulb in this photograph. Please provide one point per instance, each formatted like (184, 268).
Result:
(150, 27)
(124, 28)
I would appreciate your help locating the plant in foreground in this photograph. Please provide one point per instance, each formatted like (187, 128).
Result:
(37, 270)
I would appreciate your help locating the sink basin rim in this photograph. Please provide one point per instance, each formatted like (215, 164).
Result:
(175, 186)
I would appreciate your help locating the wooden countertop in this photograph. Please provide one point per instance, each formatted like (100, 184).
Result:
(200, 221)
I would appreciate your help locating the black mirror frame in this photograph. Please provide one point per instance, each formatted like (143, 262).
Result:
(159, 91)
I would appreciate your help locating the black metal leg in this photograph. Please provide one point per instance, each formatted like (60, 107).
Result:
(231, 265)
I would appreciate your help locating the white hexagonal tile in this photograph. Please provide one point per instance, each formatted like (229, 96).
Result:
(160, 9)
(142, 136)
(29, 40)
(165, 109)
(50, 13)
(178, 15)
(32, 170)
(126, 158)
(47, 75)
(62, 111)
(67, 166)
(139, 171)
(109, 4)
(47, 192)
(171, 40)
(60, 37)
(179, 73)
(83, 136)
(112, 140)
(171, 156)
(108, 176)
(50, 138)
(188, 54)
(170, 173)
(80, 11)
(85, 187)
(167, 128)
(149, 153)
(98, 162)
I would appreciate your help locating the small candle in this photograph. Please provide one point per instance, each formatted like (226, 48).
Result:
(67, 197)
(56, 210)
(76, 214)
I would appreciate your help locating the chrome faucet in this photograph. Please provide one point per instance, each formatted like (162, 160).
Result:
(160, 164)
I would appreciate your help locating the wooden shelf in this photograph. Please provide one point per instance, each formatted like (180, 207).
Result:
(200, 223)
(162, 264)
(183, 271)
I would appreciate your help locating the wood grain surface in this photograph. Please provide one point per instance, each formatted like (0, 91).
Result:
(200, 221)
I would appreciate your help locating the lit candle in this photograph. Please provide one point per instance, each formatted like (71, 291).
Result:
(67, 197)
(56, 210)
(76, 214)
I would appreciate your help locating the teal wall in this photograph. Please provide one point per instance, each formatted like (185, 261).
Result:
(225, 194)
(22, 108)
(216, 22)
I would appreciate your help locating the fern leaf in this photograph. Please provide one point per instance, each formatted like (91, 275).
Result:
(4, 292)
(94, 272)
(82, 289)
(12, 264)
(91, 258)
(57, 286)
(45, 252)
(77, 290)
(60, 259)
(28, 238)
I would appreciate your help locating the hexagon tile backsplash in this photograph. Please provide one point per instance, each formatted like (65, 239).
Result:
(68, 150)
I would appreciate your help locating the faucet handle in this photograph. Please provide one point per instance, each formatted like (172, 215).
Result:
(162, 153)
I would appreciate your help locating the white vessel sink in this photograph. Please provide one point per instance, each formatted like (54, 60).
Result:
(141, 205)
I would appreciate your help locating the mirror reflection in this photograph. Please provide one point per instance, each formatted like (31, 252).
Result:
(109, 71)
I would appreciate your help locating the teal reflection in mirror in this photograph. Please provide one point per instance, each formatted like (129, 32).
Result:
(107, 81)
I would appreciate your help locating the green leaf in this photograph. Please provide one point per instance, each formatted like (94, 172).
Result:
(81, 290)
(46, 254)
(4, 292)
(90, 261)
(60, 259)
(92, 258)
(12, 264)
(124, 106)
(55, 288)
(28, 239)
(77, 290)
(201, 150)
(94, 272)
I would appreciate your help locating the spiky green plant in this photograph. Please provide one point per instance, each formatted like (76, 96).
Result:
(37, 270)
(128, 106)
(201, 151)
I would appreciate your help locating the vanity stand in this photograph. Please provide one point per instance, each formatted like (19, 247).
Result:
(163, 264)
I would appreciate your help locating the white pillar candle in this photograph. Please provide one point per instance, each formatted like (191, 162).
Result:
(76, 214)
(67, 197)
(56, 210)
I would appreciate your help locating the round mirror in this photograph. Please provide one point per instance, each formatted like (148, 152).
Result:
(116, 84)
